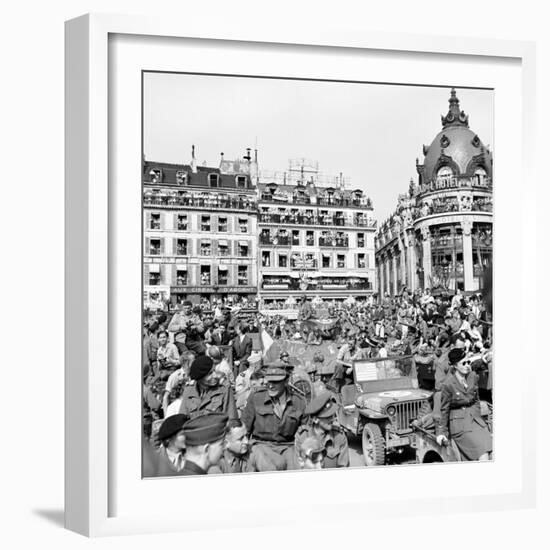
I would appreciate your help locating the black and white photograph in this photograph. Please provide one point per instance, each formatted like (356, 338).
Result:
(317, 274)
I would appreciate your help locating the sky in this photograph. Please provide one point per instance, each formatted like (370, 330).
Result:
(370, 132)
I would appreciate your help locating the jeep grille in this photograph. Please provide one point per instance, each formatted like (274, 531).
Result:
(405, 413)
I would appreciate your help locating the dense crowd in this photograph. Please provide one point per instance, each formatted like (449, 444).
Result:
(215, 402)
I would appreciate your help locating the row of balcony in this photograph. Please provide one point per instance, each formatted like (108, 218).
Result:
(299, 285)
(315, 200)
(286, 240)
(304, 219)
(230, 203)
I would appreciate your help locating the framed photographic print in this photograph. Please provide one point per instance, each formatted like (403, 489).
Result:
(301, 239)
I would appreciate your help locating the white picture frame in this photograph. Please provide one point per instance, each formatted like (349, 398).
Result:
(93, 312)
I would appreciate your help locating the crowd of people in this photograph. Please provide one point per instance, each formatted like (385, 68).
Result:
(214, 403)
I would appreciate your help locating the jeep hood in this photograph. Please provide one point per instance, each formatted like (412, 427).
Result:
(379, 400)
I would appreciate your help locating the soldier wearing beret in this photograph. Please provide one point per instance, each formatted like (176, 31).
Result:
(204, 440)
(272, 416)
(322, 423)
(204, 393)
(172, 451)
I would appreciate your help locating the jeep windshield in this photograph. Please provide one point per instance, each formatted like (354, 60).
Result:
(369, 370)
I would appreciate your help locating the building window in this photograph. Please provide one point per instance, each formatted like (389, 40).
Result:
(213, 180)
(222, 225)
(222, 275)
(205, 275)
(361, 263)
(243, 250)
(243, 225)
(155, 221)
(205, 223)
(283, 260)
(242, 275)
(341, 261)
(154, 247)
(182, 222)
(326, 261)
(206, 248)
(310, 238)
(154, 278)
(223, 248)
(360, 240)
(266, 258)
(181, 177)
(181, 277)
(181, 247)
(241, 182)
(296, 237)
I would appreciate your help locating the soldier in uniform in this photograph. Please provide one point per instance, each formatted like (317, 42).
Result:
(272, 416)
(322, 424)
(204, 393)
(188, 330)
(236, 457)
(204, 441)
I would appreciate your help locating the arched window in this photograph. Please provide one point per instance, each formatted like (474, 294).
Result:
(480, 176)
(444, 176)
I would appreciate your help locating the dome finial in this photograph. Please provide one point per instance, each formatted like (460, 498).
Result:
(455, 116)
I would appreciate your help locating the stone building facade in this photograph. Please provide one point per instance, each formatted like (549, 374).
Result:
(440, 236)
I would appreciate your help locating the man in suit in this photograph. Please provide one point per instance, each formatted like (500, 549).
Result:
(242, 348)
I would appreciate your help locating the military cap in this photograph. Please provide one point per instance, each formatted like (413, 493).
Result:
(186, 303)
(322, 406)
(456, 355)
(200, 367)
(171, 426)
(276, 371)
(205, 429)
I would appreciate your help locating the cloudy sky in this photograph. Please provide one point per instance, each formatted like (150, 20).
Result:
(372, 133)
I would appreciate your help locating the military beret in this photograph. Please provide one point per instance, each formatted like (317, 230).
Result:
(200, 367)
(322, 406)
(205, 429)
(171, 426)
(456, 355)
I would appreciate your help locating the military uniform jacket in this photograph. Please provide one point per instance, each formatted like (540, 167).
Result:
(335, 443)
(263, 424)
(219, 399)
(460, 407)
(191, 469)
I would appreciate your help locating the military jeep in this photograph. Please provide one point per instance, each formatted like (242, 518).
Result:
(381, 405)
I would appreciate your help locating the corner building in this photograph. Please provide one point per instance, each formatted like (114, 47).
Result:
(440, 235)
(200, 231)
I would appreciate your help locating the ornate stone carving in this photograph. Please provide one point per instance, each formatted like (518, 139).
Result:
(425, 233)
(444, 141)
(476, 142)
(466, 227)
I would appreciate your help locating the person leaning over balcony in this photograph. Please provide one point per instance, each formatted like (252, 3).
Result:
(461, 418)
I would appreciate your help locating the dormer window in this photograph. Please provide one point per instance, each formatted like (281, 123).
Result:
(241, 182)
(181, 177)
(445, 172)
(214, 180)
(156, 175)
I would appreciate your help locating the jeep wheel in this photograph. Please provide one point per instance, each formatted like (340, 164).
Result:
(373, 445)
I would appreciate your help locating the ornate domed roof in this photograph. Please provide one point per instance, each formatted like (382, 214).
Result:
(456, 147)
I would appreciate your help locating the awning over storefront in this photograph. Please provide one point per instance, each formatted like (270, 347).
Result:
(243, 243)
(222, 267)
(154, 268)
(181, 267)
(223, 242)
